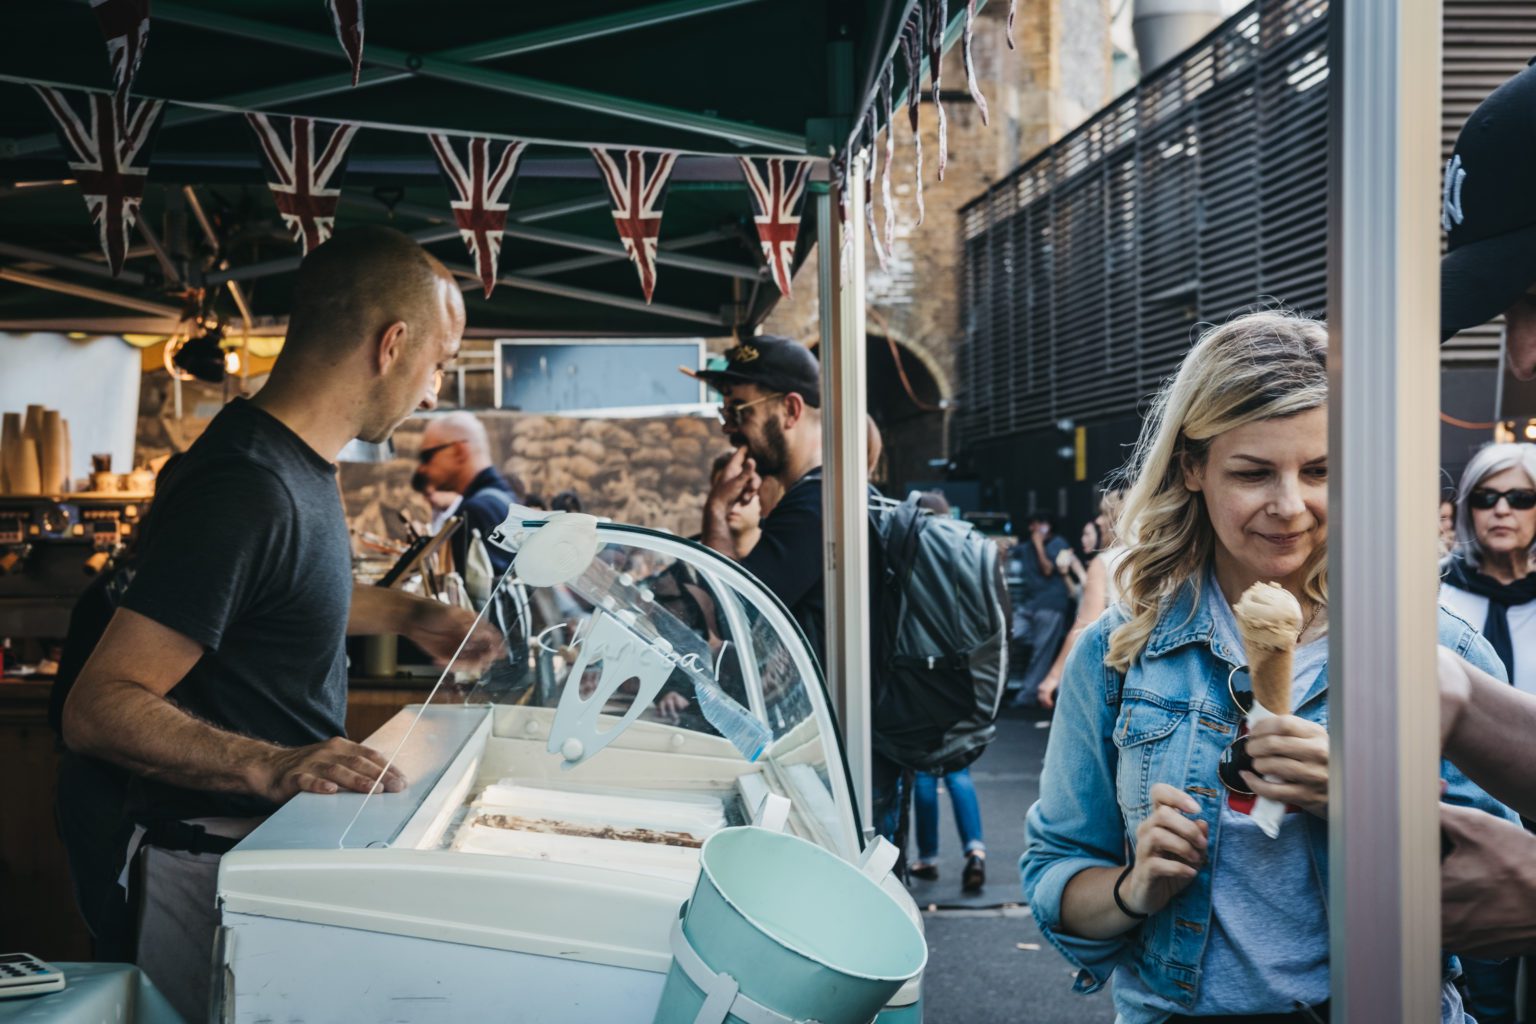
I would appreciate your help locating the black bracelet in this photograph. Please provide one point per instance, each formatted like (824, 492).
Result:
(1127, 911)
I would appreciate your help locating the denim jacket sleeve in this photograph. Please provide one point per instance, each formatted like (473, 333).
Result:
(1459, 636)
(1076, 823)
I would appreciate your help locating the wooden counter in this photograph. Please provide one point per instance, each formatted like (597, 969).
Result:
(37, 906)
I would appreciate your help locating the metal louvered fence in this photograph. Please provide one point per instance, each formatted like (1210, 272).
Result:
(1200, 192)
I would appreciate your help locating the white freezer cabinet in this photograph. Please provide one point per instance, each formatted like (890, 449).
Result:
(651, 695)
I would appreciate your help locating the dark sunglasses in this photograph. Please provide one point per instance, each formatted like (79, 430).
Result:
(427, 454)
(1523, 499)
(1235, 759)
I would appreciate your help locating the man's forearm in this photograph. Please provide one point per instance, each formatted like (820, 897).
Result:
(122, 722)
(380, 611)
(717, 532)
(1491, 740)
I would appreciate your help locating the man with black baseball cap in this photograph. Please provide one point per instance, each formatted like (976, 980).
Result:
(1489, 216)
(771, 412)
(1488, 870)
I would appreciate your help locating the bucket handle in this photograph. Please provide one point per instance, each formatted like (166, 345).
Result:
(879, 858)
(773, 813)
(722, 996)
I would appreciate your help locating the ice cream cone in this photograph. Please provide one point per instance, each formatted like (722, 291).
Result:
(1269, 618)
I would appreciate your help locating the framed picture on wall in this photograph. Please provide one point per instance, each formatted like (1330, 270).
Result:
(598, 376)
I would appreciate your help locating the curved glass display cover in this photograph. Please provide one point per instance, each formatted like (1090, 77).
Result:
(651, 695)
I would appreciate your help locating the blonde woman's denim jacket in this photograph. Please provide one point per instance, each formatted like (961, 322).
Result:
(1167, 720)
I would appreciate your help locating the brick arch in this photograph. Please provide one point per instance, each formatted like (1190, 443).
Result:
(879, 326)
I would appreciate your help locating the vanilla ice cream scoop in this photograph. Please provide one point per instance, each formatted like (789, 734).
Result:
(1269, 618)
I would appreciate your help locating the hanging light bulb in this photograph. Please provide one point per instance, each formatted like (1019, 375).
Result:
(232, 362)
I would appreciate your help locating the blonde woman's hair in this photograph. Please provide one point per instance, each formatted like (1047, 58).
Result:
(1257, 366)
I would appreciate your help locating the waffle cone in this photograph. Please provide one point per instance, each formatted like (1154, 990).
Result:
(1269, 618)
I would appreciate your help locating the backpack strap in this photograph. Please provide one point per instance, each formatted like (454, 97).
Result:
(899, 544)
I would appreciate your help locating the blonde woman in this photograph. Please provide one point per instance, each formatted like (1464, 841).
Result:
(1142, 859)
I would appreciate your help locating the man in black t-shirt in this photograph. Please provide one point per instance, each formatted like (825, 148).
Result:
(221, 682)
(772, 414)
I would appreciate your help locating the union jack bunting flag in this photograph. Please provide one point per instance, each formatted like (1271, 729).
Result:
(480, 174)
(348, 18)
(637, 188)
(108, 155)
(777, 187)
(305, 161)
(125, 25)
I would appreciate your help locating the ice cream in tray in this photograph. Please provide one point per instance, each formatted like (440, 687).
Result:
(649, 831)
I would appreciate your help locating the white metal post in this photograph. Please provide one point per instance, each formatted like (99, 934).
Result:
(844, 471)
(1384, 442)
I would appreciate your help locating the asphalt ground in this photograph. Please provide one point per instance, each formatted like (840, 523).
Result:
(987, 962)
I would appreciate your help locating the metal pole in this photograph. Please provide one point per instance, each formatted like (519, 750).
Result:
(1384, 371)
(845, 476)
(81, 291)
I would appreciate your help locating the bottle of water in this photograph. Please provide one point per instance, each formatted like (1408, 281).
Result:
(729, 718)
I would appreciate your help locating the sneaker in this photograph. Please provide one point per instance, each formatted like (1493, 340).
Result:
(927, 872)
(975, 874)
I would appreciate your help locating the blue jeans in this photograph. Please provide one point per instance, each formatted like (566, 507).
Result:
(962, 799)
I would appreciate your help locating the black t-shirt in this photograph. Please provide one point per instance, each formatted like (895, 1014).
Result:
(787, 558)
(247, 553)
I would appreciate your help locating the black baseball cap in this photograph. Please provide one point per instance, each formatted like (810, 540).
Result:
(769, 361)
(1489, 208)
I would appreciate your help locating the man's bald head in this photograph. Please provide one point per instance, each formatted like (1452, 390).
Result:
(458, 426)
(456, 450)
(350, 289)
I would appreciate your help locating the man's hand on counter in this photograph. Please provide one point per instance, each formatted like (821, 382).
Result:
(327, 767)
(439, 628)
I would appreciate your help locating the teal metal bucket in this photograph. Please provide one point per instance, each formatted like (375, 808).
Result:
(780, 930)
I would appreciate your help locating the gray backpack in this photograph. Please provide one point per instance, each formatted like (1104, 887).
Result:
(940, 638)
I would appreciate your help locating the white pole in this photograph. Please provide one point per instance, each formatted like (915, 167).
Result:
(1384, 444)
(844, 473)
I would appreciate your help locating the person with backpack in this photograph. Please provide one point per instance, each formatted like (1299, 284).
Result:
(938, 604)
(1142, 858)
(962, 796)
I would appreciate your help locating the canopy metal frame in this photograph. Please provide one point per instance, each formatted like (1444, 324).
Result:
(1383, 442)
(463, 73)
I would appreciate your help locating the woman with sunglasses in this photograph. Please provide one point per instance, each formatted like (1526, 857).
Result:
(1488, 579)
(1141, 852)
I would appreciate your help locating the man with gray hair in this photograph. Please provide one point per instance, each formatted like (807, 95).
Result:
(456, 456)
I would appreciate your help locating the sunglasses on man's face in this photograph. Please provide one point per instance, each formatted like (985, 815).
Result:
(1522, 499)
(730, 412)
(426, 455)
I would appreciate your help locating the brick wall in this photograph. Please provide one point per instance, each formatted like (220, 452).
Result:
(1058, 73)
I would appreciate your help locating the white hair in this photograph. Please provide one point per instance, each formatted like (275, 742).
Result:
(1495, 458)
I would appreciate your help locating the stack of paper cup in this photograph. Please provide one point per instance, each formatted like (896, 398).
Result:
(10, 448)
(52, 468)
